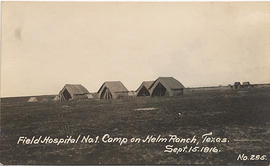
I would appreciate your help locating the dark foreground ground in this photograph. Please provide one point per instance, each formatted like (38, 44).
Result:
(237, 115)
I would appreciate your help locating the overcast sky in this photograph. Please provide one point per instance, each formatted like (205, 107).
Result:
(48, 44)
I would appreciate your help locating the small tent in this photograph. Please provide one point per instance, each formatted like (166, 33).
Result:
(144, 90)
(32, 100)
(73, 91)
(56, 98)
(132, 93)
(166, 86)
(90, 96)
(112, 90)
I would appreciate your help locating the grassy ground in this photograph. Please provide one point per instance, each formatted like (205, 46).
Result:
(236, 115)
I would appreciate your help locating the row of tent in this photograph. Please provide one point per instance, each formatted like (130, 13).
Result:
(238, 85)
(162, 86)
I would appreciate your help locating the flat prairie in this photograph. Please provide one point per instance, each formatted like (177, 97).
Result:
(237, 115)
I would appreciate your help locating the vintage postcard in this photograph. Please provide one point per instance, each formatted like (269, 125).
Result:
(135, 83)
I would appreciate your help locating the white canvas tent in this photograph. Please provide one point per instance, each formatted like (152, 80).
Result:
(166, 86)
(112, 90)
(32, 100)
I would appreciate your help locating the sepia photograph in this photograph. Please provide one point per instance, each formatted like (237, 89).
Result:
(135, 83)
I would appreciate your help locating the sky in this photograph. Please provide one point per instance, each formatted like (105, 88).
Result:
(46, 45)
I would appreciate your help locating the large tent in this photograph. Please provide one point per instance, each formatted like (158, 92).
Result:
(73, 91)
(166, 86)
(144, 90)
(112, 90)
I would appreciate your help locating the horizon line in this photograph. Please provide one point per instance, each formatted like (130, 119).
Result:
(1, 97)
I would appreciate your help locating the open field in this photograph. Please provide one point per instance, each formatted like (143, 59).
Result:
(238, 115)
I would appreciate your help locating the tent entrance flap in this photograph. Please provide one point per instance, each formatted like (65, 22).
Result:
(160, 90)
(106, 94)
(143, 92)
(66, 94)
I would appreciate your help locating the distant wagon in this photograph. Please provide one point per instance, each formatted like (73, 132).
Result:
(112, 90)
(246, 85)
(166, 86)
(237, 85)
(144, 90)
(73, 91)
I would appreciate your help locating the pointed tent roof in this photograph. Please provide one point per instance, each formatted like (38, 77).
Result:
(146, 84)
(169, 82)
(76, 89)
(114, 86)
